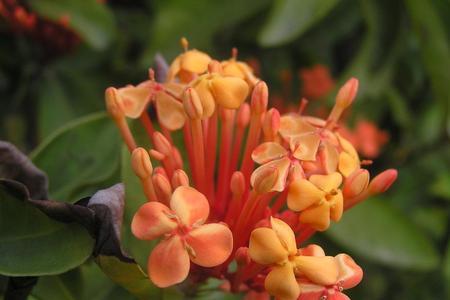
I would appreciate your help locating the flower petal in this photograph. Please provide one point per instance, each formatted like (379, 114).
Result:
(281, 283)
(195, 61)
(327, 183)
(229, 92)
(302, 194)
(317, 217)
(336, 206)
(292, 125)
(329, 157)
(311, 291)
(206, 97)
(267, 152)
(152, 220)
(282, 165)
(347, 147)
(265, 247)
(312, 250)
(350, 274)
(285, 235)
(212, 244)
(306, 146)
(322, 270)
(189, 205)
(133, 100)
(348, 164)
(168, 263)
(170, 111)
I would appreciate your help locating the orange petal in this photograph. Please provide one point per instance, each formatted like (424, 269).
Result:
(330, 157)
(312, 250)
(317, 217)
(189, 205)
(211, 244)
(174, 69)
(152, 220)
(282, 165)
(350, 274)
(267, 152)
(348, 164)
(306, 146)
(195, 61)
(347, 146)
(133, 100)
(321, 270)
(302, 194)
(337, 206)
(292, 125)
(170, 111)
(265, 247)
(285, 235)
(328, 182)
(281, 283)
(311, 291)
(229, 92)
(206, 97)
(168, 263)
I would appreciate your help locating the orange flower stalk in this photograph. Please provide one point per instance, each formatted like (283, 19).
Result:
(259, 216)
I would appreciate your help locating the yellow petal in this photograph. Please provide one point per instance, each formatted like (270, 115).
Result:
(330, 157)
(229, 92)
(292, 125)
(231, 68)
(285, 235)
(348, 164)
(195, 61)
(347, 146)
(302, 194)
(170, 111)
(267, 152)
(281, 283)
(306, 146)
(317, 217)
(337, 206)
(265, 247)
(173, 69)
(321, 270)
(206, 97)
(328, 182)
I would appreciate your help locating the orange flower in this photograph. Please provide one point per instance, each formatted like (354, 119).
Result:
(187, 238)
(318, 200)
(276, 247)
(317, 81)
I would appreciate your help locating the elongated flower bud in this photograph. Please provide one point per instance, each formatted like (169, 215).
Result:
(243, 117)
(179, 178)
(237, 183)
(192, 104)
(260, 98)
(383, 181)
(271, 124)
(162, 144)
(347, 93)
(141, 164)
(356, 183)
(112, 105)
(163, 188)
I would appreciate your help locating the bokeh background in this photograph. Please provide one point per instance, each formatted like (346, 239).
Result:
(57, 58)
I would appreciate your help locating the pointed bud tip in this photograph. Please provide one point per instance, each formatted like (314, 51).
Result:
(260, 97)
(383, 181)
(192, 104)
(237, 183)
(112, 105)
(347, 93)
(141, 163)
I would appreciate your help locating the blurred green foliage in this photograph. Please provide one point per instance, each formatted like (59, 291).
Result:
(398, 49)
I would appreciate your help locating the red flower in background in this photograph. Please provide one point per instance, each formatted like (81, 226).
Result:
(317, 82)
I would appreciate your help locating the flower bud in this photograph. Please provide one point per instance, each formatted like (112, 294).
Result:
(347, 93)
(179, 178)
(260, 98)
(237, 183)
(383, 181)
(192, 104)
(141, 163)
(242, 258)
(178, 159)
(162, 144)
(271, 123)
(163, 188)
(356, 183)
(112, 105)
(156, 154)
(214, 67)
(243, 117)
(229, 92)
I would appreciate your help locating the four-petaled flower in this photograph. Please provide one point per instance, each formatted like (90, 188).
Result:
(187, 238)
(276, 247)
(318, 200)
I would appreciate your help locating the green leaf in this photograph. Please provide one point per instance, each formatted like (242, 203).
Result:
(291, 18)
(435, 51)
(376, 231)
(128, 275)
(31, 243)
(80, 157)
(92, 20)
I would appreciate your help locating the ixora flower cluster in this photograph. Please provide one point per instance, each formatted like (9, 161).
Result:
(258, 186)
